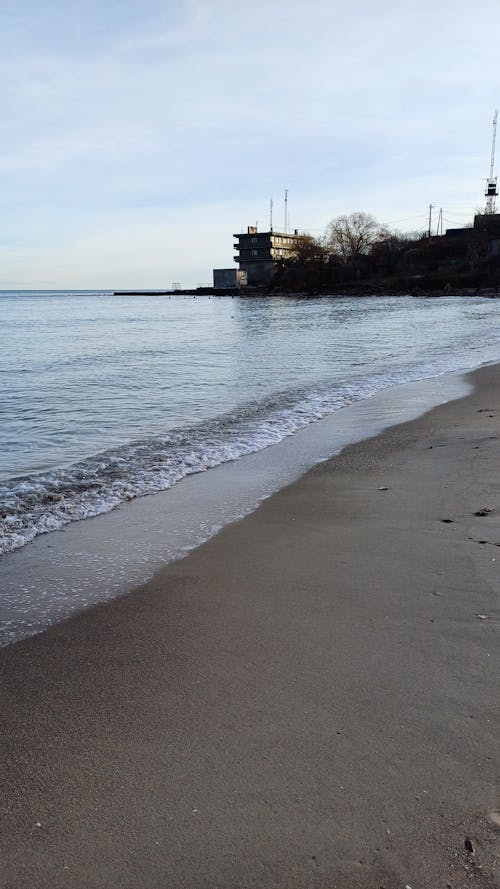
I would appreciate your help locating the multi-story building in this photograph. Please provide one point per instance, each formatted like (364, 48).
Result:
(260, 253)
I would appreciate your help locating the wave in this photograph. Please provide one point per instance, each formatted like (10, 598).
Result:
(36, 504)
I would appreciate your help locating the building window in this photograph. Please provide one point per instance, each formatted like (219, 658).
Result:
(255, 252)
(254, 240)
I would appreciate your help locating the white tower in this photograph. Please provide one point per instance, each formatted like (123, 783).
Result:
(491, 191)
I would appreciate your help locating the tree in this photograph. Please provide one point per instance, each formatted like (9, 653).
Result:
(351, 236)
(390, 242)
(308, 250)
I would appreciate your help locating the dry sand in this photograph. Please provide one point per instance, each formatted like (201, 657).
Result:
(308, 700)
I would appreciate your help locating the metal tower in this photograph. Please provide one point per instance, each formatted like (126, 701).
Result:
(491, 191)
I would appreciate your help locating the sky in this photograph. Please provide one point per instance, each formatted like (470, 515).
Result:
(138, 135)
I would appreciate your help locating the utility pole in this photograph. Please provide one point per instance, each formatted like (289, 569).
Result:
(491, 191)
(286, 211)
(439, 227)
(271, 215)
(430, 220)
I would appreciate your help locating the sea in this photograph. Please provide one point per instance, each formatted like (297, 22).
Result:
(105, 399)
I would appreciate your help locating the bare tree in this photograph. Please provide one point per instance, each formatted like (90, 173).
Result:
(353, 235)
(309, 250)
(388, 241)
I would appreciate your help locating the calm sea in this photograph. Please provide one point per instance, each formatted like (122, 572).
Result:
(105, 398)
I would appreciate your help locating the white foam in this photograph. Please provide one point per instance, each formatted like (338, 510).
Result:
(39, 504)
(106, 556)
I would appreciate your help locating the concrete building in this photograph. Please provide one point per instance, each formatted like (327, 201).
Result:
(481, 238)
(486, 225)
(228, 279)
(260, 253)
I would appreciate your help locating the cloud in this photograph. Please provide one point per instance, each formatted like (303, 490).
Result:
(117, 110)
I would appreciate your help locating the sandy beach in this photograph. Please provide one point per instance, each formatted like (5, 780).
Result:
(310, 699)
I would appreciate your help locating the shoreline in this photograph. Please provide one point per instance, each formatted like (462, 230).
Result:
(307, 699)
(100, 558)
(338, 292)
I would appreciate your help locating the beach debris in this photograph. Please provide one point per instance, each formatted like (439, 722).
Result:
(468, 845)
(484, 511)
(38, 824)
(481, 616)
(383, 488)
(448, 521)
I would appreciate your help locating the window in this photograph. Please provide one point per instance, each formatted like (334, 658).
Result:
(255, 252)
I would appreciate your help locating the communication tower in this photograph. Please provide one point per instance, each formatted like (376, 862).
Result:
(491, 191)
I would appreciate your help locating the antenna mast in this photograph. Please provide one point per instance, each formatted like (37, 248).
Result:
(491, 183)
(286, 210)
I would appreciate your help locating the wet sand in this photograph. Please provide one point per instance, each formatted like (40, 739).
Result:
(308, 700)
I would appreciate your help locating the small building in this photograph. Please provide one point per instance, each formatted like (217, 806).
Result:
(480, 239)
(228, 279)
(487, 224)
(260, 253)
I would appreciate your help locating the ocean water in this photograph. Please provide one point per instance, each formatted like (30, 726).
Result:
(104, 399)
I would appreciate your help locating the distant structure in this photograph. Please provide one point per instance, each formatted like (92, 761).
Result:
(491, 191)
(486, 225)
(261, 253)
(229, 279)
